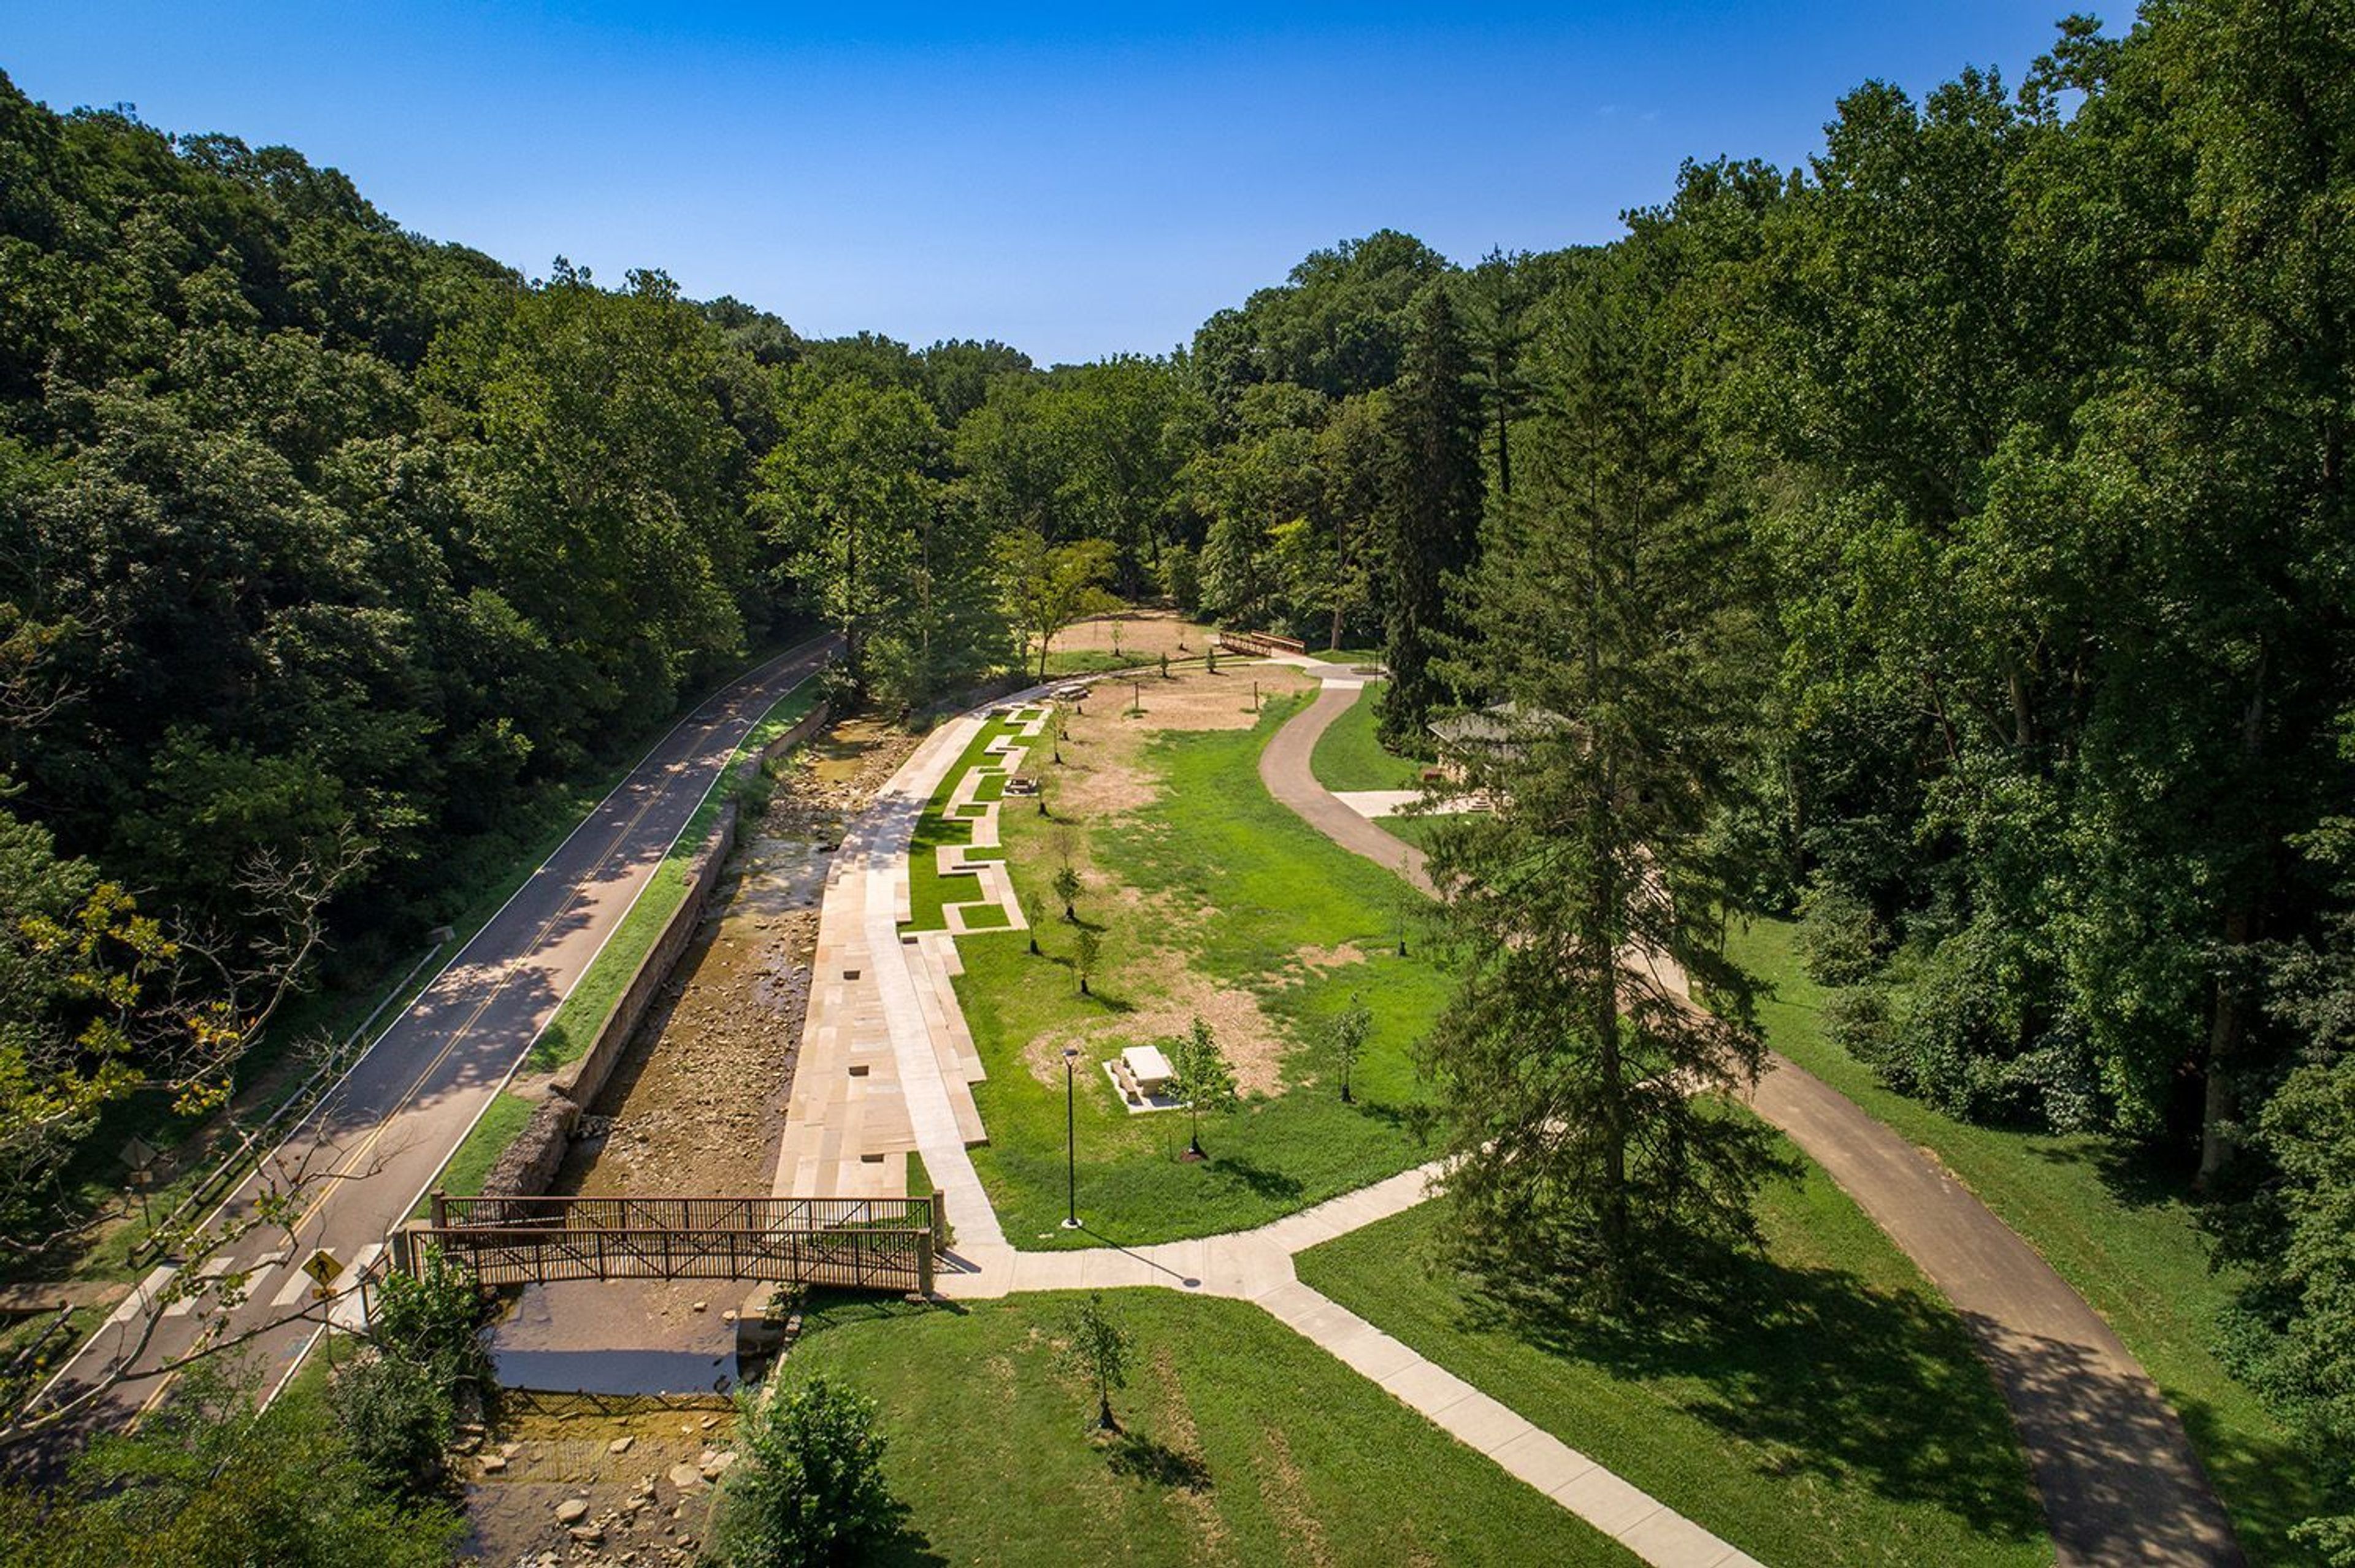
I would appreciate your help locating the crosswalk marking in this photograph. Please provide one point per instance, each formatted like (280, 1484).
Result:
(350, 1311)
(143, 1296)
(213, 1269)
(297, 1285)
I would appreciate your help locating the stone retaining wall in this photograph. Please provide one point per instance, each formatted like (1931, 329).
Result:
(530, 1164)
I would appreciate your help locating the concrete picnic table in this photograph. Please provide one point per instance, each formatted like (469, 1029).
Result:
(1148, 1067)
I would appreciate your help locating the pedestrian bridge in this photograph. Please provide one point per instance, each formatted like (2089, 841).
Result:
(856, 1243)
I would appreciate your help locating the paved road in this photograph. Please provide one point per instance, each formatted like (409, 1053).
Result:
(382, 1137)
(2120, 1481)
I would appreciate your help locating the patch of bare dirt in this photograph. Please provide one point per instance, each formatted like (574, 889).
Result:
(1104, 772)
(1191, 1494)
(1143, 635)
(1248, 1038)
(1286, 1495)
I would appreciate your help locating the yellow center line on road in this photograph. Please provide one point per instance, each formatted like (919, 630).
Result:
(163, 1383)
(345, 1165)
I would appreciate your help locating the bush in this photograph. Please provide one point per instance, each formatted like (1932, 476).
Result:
(397, 1420)
(1839, 940)
(434, 1319)
(808, 1488)
(1960, 1030)
(208, 1481)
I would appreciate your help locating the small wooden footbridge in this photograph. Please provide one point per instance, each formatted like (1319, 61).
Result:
(856, 1243)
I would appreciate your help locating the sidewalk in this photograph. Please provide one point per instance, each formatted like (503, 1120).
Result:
(887, 1066)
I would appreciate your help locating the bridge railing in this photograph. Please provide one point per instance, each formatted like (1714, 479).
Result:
(873, 1244)
(1260, 643)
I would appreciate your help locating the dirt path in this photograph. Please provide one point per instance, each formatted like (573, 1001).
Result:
(2119, 1479)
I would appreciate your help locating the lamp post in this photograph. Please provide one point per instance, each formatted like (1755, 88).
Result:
(1071, 1138)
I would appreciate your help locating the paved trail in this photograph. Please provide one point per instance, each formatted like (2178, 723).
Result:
(2118, 1476)
(385, 1133)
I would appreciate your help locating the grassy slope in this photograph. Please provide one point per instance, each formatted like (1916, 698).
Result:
(1244, 1444)
(2127, 1243)
(1348, 756)
(1847, 1421)
(1257, 885)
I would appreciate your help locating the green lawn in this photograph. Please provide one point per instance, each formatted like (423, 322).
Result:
(502, 1120)
(577, 1017)
(1242, 1444)
(1093, 661)
(1846, 1419)
(1346, 655)
(1348, 756)
(1238, 887)
(2121, 1234)
(1418, 831)
(927, 889)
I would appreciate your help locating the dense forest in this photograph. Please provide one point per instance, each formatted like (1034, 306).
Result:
(1953, 538)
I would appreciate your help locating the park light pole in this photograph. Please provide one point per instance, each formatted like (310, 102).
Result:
(1071, 1138)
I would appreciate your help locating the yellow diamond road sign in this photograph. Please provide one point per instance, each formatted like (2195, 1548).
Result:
(324, 1268)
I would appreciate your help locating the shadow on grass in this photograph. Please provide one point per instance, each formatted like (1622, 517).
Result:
(1151, 1460)
(1275, 1185)
(2135, 1175)
(1825, 1375)
(908, 1548)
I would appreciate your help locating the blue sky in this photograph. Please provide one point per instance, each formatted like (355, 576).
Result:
(1075, 180)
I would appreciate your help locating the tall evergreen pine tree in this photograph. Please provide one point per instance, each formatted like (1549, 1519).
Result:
(1597, 1160)
(1432, 504)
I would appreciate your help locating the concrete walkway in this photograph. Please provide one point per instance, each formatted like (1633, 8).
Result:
(884, 1066)
(2119, 1479)
(1256, 1266)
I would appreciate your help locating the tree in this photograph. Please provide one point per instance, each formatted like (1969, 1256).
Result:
(1595, 1161)
(210, 1481)
(1067, 886)
(1098, 1349)
(1087, 949)
(809, 1488)
(1202, 1075)
(1048, 588)
(1499, 297)
(848, 496)
(603, 480)
(1431, 515)
(1345, 1036)
(105, 1001)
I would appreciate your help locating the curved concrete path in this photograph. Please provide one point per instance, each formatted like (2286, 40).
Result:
(2119, 1479)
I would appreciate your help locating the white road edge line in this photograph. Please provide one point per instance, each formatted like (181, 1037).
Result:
(524, 1055)
(135, 1299)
